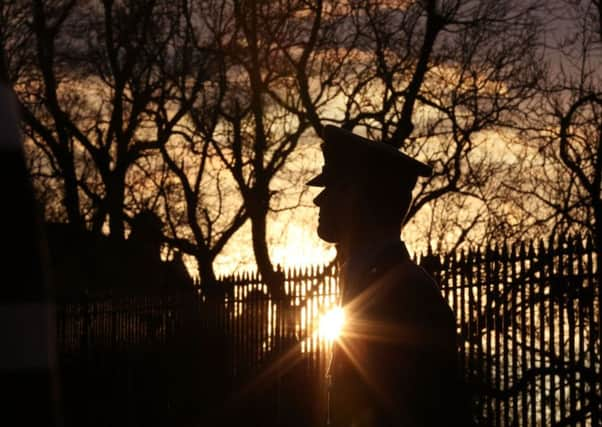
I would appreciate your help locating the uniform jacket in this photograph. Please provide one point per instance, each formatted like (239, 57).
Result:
(396, 364)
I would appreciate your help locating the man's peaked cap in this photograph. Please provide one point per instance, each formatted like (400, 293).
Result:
(350, 156)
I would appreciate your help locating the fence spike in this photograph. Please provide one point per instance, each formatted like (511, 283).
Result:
(471, 256)
(570, 245)
(478, 256)
(562, 238)
(589, 242)
(552, 242)
(531, 252)
(522, 251)
(542, 247)
(497, 246)
(513, 251)
(579, 244)
(489, 251)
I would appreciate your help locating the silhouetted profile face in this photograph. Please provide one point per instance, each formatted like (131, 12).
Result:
(367, 185)
(335, 205)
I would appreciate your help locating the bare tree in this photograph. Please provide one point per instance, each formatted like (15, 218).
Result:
(109, 93)
(564, 133)
(200, 204)
(257, 135)
(89, 93)
(566, 129)
(440, 80)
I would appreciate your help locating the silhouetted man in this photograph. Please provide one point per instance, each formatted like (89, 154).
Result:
(395, 364)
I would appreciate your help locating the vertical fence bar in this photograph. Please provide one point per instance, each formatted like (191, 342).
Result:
(572, 290)
(481, 325)
(560, 294)
(532, 287)
(497, 331)
(471, 331)
(488, 328)
(460, 309)
(552, 340)
(525, 295)
(452, 285)
(592, 337)
(540, 297)
(505, 324)
(580, 302)
(516, 312)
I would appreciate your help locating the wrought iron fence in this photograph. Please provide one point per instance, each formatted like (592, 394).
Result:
(527, 316)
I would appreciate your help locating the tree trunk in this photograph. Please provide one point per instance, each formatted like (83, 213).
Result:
(209, 283)
(115, 202)
(71, 200)
(273, 279)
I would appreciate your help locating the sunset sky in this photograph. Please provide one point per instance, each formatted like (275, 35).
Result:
(471, 78)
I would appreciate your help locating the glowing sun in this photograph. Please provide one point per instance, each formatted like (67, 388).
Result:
(331, 324)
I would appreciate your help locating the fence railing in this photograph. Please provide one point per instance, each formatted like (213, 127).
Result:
(526, 315)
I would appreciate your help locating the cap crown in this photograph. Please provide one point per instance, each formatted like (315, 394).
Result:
(348, 156)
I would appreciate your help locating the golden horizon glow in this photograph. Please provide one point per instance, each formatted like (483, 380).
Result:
(331, 324)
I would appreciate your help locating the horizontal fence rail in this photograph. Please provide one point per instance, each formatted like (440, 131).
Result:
(526, 315)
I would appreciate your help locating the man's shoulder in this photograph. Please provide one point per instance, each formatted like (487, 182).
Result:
(395, 269)
(410, 276)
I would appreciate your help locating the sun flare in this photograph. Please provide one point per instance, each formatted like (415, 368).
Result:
(331, 324)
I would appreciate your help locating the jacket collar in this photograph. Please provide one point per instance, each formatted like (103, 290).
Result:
(365, 266)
